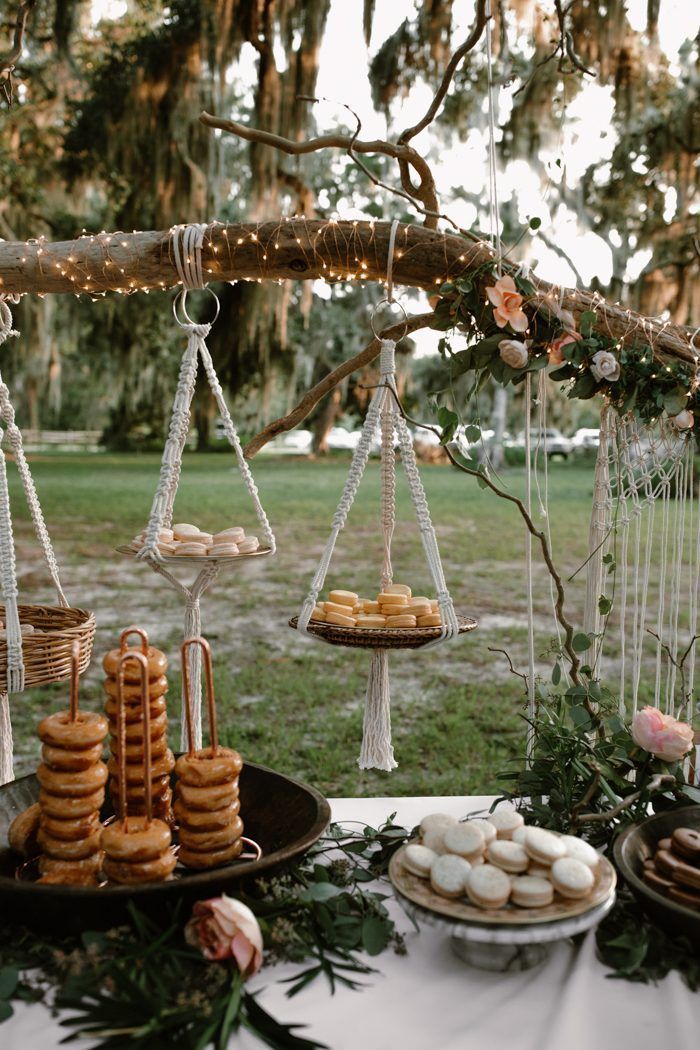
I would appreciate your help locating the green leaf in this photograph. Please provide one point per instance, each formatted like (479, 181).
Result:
(556, 674)
(675, 401)
(604, 605)
(9, 979)
(375, 935)
(580, 643)
(535, 223)
(584, 387)
(320, 891)
(586, 323)
(6, 1011)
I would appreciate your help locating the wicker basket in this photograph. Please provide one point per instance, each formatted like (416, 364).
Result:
(380, 637)
(47, 651)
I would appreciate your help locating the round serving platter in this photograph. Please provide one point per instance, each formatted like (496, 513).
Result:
(261, 552)
(380, 637)
(420, 892)
(284, 817)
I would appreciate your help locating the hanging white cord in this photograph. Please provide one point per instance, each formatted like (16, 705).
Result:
(494, 210)
(531, 706)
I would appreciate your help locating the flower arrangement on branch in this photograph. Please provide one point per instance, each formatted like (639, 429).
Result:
(513, 330)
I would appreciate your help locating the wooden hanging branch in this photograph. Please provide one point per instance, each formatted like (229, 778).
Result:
(302, 249)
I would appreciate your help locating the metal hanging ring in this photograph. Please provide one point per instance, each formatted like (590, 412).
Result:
(180, 301)
(388, 302)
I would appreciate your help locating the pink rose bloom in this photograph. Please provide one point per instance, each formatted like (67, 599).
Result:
(556, 357)
(223, 928)
(661, 734)
(507, 302)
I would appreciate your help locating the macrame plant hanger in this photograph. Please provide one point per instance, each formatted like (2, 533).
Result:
(384, 413)
(187, 242)
(48, 655)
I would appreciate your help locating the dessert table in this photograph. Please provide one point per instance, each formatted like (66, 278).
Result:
(430, 1000)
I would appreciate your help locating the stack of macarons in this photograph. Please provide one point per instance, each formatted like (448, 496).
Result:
(185, 540)
(498, 860)
(395, 606)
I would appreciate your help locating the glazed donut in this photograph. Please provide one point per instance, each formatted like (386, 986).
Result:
(21, 834)
(72, 761)
(70, 830)
(157, 664)
(134, 722)
(134, 712)
(209, 841)
(134, 773)
(70, 878)
(69, 849)
(89, 865)
(160, 787)
(191, 859)
(215, 796)
(131, 872)
(72, 785)
(140, 840)
(134, 750)
(67, 808)
(205, 768)
(160, 809)
(87, 730)
(201, 820)
(132, 692)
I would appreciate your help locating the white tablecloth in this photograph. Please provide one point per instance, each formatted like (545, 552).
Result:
(429, 1000)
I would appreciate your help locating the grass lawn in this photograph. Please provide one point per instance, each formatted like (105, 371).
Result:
(291, 702)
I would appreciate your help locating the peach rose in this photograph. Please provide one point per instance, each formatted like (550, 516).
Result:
(661, 734)
(223, 928)
(684, 420)
(507, 302)
(556, 357)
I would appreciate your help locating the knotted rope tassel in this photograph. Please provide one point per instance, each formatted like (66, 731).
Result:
(376, 751)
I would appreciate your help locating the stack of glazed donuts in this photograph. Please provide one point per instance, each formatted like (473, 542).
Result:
(207, 804)
(162, 757)
(72, 776)
(137, 848)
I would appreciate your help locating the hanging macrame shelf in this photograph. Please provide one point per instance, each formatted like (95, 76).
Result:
(187, 243)
(384, 414)
(381, 637)
(199, 559)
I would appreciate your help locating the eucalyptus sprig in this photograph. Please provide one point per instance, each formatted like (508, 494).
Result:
(142, 987)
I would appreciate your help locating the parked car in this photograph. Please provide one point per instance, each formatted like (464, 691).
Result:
(294, 443)
(554, 442)
(585, 439)
(341, 438)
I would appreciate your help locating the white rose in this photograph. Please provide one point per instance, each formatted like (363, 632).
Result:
(513, 352)
(685, 420)
(605, 365)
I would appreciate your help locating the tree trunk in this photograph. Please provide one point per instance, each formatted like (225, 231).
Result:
(331, 411)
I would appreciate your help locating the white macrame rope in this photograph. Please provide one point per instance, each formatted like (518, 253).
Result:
(187, 255)
(390, 262)
(8, 567)
(531, 695)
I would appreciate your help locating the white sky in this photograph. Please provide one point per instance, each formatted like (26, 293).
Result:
(585, 139)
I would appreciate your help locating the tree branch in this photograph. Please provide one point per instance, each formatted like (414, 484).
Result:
(657, 783)
(301, 249)
(312, 397)
(452, 66)
(8, 60)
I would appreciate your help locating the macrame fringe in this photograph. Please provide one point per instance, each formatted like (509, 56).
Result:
(6, 747)
(377, 752)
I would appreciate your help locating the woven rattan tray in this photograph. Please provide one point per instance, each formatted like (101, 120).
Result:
(380, 637)
(47, 652)
(196, 559)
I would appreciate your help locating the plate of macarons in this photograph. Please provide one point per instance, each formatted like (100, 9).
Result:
(185, 541)
(497, 870)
